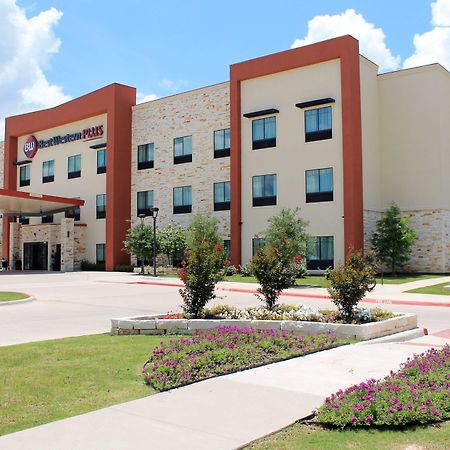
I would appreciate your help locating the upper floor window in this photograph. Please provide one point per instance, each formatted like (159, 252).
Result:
(73, 213)
(144, 202)
(319, 185)
(222, 196)
(318, 124)
(182, 150)
(101, 161)
(264, 132)
(100, 253)
(48, 171)
(222, 143)
(74, 166)
(264, 190)
(182, 199)
(24, 175)
(47, 219)
(323, 253)
(100, 206)
(146, 156)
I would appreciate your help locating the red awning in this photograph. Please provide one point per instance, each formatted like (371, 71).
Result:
(17, 203)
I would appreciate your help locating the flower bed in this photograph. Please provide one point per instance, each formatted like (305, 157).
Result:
(418, 393)
(223, 350)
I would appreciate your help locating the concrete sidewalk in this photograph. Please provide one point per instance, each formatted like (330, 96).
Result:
(225, 412)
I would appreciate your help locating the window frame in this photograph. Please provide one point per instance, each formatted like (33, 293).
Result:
(224, 151)
(265, 200)
(75, 215)
(270, 142)
(185, 157)
(48, 218)
(101, 168)
(48, 178)
(75, 173)
(27, 170)
(147, 210)
(319, 134)
(225, 204)
(100, 209)
(147, 163)
(319, 196)
(257, 244)
(183, 208)
(319, 263)
(103, 251)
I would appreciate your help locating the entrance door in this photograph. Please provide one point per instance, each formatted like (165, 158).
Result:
(35, 255)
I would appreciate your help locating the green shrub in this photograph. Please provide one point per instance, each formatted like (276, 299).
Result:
(124, 268)
(89, 266)
(245, 270)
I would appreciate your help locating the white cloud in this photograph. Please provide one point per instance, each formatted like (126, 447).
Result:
(142, 98)
(434, 45)
(371, 39)
(171, 85)
(26, 46)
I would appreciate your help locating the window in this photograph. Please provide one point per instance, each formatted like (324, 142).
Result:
(318, 124)
(48, 171)
(182, 199)
(319, 185)
(144, 202)
(222, 196)
(74, 166)
(146, 156)
(100, 253)
(101, 161)
(222, 143)
(257, 245)
(264, 132)
(323, 256)
(24, 175)
(73, 213)
(24, 220)
(264, 190)
(227, 248)
(182, 150)
(47, 219)
(100, 204)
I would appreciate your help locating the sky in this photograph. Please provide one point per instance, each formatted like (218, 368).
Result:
(54, 50)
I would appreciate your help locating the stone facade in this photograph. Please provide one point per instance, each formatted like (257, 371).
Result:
(198, 113)
(431, 253)
(80, 245)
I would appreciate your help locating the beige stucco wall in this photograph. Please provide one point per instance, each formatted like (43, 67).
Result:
(86, 187)
(292, 156)
(2, 156)
(198, 113)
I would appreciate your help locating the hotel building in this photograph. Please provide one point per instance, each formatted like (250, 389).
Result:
(314, 127)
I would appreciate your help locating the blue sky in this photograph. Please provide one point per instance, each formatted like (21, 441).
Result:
(54, 50)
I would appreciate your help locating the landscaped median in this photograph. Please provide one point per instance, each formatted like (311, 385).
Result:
(153, 325)
(7, 298)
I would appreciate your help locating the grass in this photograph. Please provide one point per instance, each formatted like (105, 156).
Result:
(436, 289)
(8, 296)
(300, 436)
(50, 380)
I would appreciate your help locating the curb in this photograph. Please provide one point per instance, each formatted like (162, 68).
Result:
(402, 336)
(17, 302)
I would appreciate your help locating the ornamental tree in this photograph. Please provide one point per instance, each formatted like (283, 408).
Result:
(393, 239)
(203, 265)
(171, 240)
(139, 241)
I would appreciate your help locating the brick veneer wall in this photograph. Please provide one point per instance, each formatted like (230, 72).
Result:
(198, 113)
(431, 253)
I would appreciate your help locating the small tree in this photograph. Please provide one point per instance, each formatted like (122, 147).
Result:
(274, 273)
(171, 241)
(203, 266)
(349, 283)
(139, 241)
(393, 239)
(287, 232)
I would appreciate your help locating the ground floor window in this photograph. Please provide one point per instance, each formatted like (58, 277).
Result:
(323, 253)
(257, 245)
(100, 253)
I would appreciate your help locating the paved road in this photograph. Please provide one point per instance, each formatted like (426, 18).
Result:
(79, 303)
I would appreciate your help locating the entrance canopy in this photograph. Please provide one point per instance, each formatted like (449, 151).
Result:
(16, 203)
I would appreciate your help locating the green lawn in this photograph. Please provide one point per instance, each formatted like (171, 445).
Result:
(304, 437)
(408, 278)
(8, 296)
(50, 380)
(436, 289)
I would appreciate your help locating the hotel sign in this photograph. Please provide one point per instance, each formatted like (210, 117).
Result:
(32, 145)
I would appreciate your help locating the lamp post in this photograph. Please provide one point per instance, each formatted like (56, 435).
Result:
(154, 215)
(142, 217)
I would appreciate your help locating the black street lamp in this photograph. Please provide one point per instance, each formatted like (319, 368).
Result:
(154, 215)
(142, 217)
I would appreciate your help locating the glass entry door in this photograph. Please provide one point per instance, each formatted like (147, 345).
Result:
(35, 255)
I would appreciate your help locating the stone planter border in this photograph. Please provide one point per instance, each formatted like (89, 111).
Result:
(156, 325)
